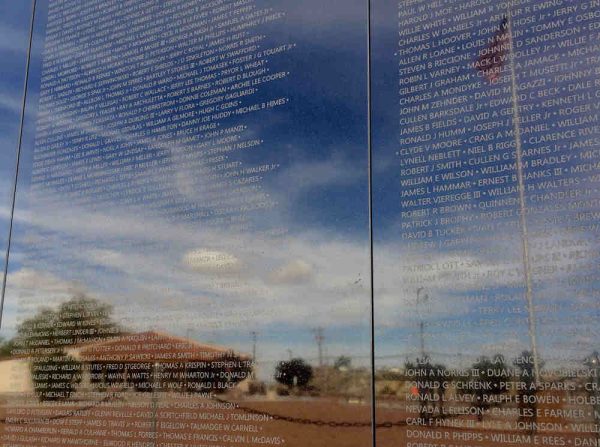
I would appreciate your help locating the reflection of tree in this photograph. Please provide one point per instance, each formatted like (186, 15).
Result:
(6, 348)
(487, 380)
(342, 363)
(79, 320)
(218, 376)
(45, 336)
(341, 380)
(294, 373)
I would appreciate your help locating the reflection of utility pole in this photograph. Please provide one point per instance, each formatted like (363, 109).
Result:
(421, 298)
(522, 204)
(290, 353)
(254, 335)
(594, 365)
(154, 403)
(319, 338)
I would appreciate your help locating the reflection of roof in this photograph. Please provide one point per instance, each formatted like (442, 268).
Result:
(152, 347)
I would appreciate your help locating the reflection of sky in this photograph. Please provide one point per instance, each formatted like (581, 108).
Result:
(297, 266)
(471, 265)
(14, 25)
(312, 268)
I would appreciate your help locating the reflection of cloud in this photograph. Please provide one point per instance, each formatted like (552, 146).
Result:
(477, 292)
(28, 279)
(211, 261)
(296, 280)
(336, 170)
(10, 103)
(137, 259)
(507, 346)
(4, 210)
(13, 39)
(109, 258)
(294, 272)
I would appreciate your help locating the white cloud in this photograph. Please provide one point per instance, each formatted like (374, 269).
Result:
(336, 170)
(211, 261)
(11, 103)
(32, 280)
(145, 267)
(294, 272)
(14, 40)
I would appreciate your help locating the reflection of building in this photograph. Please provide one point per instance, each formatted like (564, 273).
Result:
(143, 361)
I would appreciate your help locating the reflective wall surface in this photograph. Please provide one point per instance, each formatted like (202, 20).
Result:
(192, 264)
(486, 243)
(246, 222)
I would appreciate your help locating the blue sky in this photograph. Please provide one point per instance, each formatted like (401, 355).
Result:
(14, 20)
(472, 268)
(302, 264)
(305, 262)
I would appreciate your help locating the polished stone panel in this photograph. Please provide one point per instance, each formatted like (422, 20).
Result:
(237, 220)
(486, 203)
(192, 262)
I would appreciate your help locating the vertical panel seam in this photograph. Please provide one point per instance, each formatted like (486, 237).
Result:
(371, 254)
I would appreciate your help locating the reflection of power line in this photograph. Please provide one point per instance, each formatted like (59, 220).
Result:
(560, 366)
(462, 356)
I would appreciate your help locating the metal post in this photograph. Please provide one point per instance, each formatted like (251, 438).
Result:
(522, 202)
